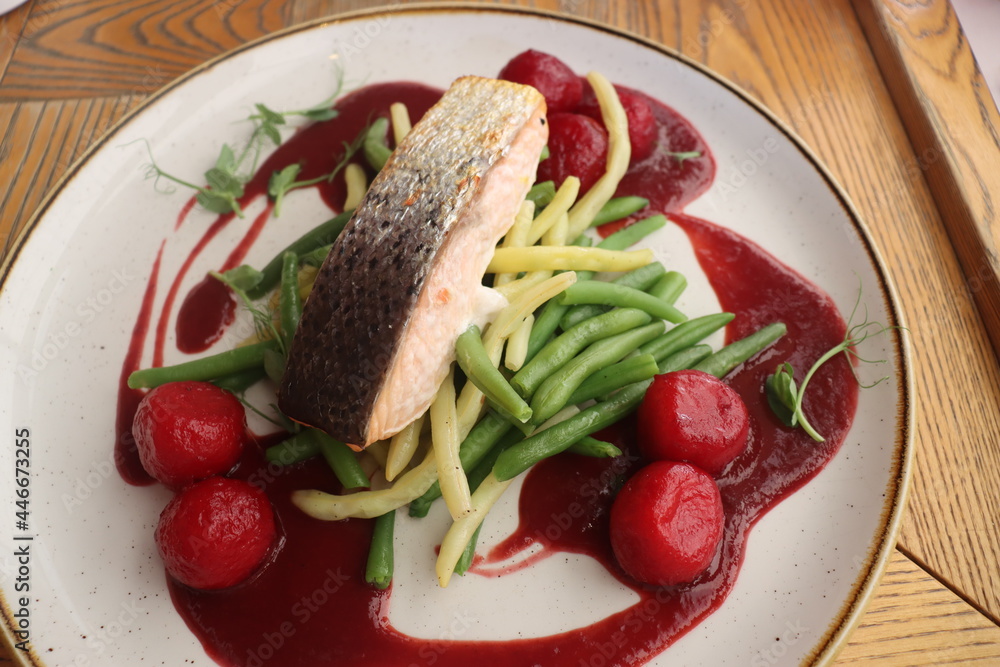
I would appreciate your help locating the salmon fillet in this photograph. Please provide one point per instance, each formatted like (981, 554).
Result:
(403, 280)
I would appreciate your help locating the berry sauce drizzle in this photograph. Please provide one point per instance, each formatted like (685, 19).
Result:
(310, 604)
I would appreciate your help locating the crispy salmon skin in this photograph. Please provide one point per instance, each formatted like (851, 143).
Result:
(403, 280)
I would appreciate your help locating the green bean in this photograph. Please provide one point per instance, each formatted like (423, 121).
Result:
(588, 446)
(612, 294)
(299, 447)
(541, 194)
(240, 381)
(566, 346)
(289, 303)
(555, 391)
(637, 231)
(618, 208)
(721, 363)
(547, 320)
(342, 460)
(374, 145)
(484, 466)
(584, 241)
(685, 335)
(469, 554)
(558, 438)
(476, 477)
(378, 570)
(546, 323)
(641, 279)
(525, 428)
(544, 155)
(318, 236)
(623, 238)
(613, 377)
(204, 369)
(274, 365)
(670, 287)
(479, 369)
(487, 432)
(686, 358)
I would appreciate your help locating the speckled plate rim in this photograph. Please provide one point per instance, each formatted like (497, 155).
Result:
(898, 484)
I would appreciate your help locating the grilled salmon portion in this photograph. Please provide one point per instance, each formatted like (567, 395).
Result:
(403, 280)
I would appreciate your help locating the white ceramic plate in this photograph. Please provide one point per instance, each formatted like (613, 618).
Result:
(72, 288)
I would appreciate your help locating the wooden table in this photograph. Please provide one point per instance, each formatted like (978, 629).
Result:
(884, 91)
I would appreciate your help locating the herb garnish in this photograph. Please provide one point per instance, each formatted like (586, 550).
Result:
(226, 180)
(680, 156)
(241, 279)
(282, 182)
(684, 155)
(785, 398)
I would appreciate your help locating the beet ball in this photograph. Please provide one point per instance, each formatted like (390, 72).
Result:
(666, 523)
(216, 533)
(561, 88)
(642, 129)
(695, 417)
(186, 431)
(578, 146)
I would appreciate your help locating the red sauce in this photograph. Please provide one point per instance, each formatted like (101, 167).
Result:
(168, 304)
(126, 454)
(207, 310)
(675, 174)
(311, 606)
(678, 171)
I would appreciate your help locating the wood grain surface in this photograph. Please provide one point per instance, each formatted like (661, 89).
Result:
(954, 127)
(70, 69)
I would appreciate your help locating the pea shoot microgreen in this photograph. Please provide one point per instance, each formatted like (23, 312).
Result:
(283, 181)
(224, 187)
(225, 181)
(241, 279)
(680, 156)
(785, 397)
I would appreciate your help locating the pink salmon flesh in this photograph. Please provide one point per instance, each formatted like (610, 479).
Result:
(404, 278)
